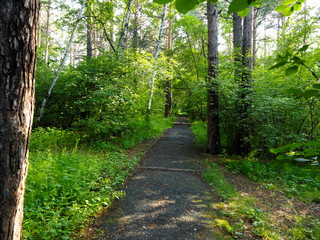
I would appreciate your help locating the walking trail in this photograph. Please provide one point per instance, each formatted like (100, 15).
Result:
(166, 198)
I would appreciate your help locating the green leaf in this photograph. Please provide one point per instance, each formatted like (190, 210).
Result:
(287, 148)
(282, 8)
(279, 64)
(237, 6)
(297, 60)
(162, 1)
(213, 1)
(185, 6)
(255, 3)
(288, 2)
(303, 160)
(295, 92)
(244, 12)
(316, 86)
(310, 93)
(291, 70)
(297, 6)
(304, 48)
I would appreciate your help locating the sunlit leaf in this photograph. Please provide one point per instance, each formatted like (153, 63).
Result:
(237, 6)
(162, 1)
(297, 6)
(185, 6)
(244, 12)
(303, 160)
(282, 8)
(288, 2)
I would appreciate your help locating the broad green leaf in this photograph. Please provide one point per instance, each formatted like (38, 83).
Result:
(310, 93)
(303, 160)
(185, 6)
(237, 6)
(297, 60)
(256, 3)
(291, 70)
(287, 148)
(288, 12)
(279, 64)
(316, 86)
(304, 48)
(244, 12)
(297, 6)
(288, 2)
(282, 8)
(162, 1)
(302, 1)
(295, 91)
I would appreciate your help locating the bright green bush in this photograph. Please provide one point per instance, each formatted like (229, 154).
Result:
(64, 189)
(200, 130)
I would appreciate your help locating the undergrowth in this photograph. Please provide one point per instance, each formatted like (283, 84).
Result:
(240, 211)
(70, 178)
(299, 181)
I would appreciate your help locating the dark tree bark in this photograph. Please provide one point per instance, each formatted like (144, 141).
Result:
(234, 141)
(213, 99)
(246, 127)
(168, 87)
(18, 28)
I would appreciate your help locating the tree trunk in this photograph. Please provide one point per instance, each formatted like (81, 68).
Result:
(213, 129)
(155, 56)
(246, 127)
(234, 140)
(254, 36)
(168, 90)
(122, 44)
(63, 62)
(48, 11)
(18, 30)
(89, 31)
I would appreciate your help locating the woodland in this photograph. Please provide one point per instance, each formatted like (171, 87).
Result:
(112, 74)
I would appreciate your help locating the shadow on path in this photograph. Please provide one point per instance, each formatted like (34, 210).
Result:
(165, 199)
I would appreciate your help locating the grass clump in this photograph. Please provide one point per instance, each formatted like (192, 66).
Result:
(200, 131)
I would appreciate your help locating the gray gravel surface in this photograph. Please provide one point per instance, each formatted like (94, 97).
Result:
(166, 198)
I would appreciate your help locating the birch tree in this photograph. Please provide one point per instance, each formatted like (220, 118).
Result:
(63, 62)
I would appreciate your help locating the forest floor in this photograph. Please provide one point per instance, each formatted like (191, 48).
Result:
(167, 198)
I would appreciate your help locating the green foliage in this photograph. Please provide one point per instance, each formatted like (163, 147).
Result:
(69, 180)
(54, 139)
(200, 131)
(302, 182)
(64, 189)
(300, 152)
(240, 208)
(217, 180)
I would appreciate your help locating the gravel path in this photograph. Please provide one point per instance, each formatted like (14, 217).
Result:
(166, 198)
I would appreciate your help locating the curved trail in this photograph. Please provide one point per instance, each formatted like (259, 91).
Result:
(165, 199)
